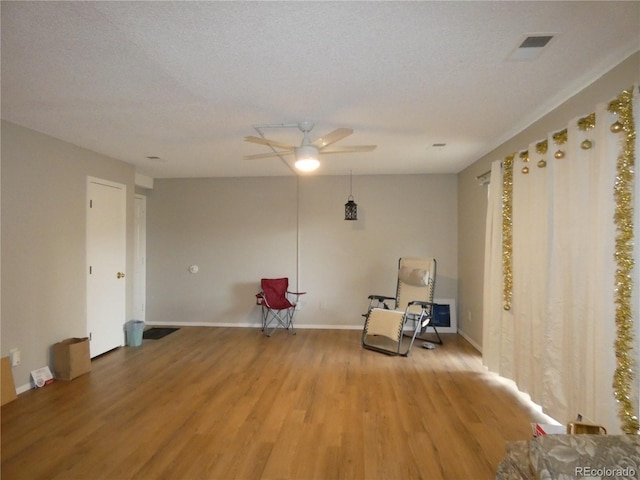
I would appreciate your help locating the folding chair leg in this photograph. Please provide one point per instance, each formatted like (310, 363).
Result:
(435, 330)
(269, 317)
(439, 342)
(282, 318)
(292, 330)
(413, 339)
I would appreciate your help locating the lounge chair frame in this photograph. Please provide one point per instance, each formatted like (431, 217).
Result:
(387, 317)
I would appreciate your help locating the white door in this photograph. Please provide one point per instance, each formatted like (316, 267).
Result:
(140, 258)
(106, 261)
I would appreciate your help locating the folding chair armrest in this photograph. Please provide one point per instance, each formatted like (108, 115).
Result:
(422, 304)
(295, 296)
(424, 317)
(382, 301)
(380, 298)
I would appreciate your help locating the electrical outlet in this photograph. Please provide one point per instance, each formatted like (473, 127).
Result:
(14, 355)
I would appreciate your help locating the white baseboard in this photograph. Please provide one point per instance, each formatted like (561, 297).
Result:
(24, 388)
(297, 326)
(201, 324)
(470, 340)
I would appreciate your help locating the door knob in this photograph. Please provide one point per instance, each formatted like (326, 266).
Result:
(120, 275)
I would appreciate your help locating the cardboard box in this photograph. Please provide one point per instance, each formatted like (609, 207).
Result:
(71, 358)
(8, 391)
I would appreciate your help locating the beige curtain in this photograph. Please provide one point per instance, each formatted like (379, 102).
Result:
(556, 340)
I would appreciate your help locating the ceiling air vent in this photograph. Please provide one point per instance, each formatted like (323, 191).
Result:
(536, 41)
(530, 47)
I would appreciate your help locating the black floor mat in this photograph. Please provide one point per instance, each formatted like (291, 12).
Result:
(157, 333)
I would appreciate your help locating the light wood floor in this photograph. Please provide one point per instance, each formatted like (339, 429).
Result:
(225, 403)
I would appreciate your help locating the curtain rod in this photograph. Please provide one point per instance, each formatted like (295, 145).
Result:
(488, 172)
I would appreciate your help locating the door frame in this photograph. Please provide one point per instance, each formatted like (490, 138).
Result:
(140, 264)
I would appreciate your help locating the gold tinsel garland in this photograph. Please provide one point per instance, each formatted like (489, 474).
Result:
(524, 156)
(560, 138)
(587, 123)
(507, 232)
(623, 217)
(542, 147)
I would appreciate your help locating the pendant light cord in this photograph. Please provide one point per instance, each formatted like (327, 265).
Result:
(351, 184)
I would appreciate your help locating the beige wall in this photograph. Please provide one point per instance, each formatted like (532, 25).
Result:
(43, 241)
(240, 230)
(472, 198)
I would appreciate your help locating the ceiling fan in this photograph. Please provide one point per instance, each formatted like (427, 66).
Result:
(307, 153)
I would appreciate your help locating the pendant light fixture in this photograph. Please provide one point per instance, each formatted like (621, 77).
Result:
(351, 207)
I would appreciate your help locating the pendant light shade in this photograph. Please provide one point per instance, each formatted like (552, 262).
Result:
(351, 207)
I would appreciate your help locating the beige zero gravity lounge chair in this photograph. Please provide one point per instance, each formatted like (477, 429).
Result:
(388, 317)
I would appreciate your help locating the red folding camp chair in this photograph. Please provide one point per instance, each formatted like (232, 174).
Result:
(277, 307)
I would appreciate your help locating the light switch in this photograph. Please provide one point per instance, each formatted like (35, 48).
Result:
(14, 355)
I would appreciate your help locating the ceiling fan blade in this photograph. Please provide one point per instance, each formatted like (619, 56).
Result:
(332, 137)
(266, 141)
(258, 156)
(353, 149)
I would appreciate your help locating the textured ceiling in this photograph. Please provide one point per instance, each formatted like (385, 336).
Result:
(187, 81)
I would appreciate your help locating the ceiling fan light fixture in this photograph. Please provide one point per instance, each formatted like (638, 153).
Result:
(307, 164)
(307, 158)
(306, 155)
